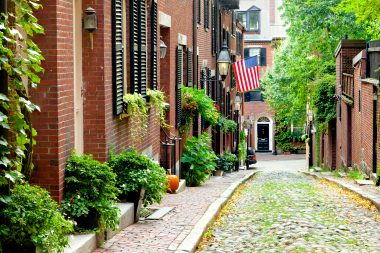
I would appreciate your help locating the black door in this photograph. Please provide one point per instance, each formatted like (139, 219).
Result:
(263, 137)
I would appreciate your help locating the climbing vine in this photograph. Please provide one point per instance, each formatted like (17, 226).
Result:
(20, 62)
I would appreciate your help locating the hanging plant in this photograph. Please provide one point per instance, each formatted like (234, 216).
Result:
(137, 112)
(157, 99)
(227, 125)
(196, 102)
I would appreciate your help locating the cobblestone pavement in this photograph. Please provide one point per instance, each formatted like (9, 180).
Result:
(166, 235)
(282, 210)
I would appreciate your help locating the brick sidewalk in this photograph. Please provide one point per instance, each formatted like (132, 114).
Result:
(167, 234)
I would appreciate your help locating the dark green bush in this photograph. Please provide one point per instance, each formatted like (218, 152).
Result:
(90, 187)
(135, 171)
(226, 161)
(31, 215)
(198, 160)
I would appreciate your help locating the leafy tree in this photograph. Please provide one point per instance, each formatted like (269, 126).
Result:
(314, 30)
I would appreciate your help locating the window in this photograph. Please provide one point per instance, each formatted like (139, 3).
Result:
(199, 11)
(250, 19)
(261, 52)
(233, 23)
(254, 95)
(239, 43)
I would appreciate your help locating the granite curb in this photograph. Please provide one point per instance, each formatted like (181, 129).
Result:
(375, 200)
(190, 243)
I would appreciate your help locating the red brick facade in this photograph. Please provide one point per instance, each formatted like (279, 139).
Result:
(102, 130)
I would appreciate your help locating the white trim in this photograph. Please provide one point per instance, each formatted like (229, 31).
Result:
(270, 123)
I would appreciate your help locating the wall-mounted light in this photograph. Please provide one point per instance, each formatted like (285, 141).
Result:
(163, 49)
(90, 23)
(224, 61)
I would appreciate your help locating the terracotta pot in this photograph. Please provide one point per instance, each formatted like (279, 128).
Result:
(173, 183)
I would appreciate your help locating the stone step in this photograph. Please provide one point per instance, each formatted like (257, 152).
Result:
(182, 186)
(161, 212)
(364, 182)
(88, 242)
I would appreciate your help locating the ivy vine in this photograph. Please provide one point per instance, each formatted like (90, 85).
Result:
(20, 64)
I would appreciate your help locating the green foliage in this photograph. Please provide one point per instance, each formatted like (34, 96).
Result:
(307, 56)
(366, 13)
(196, 102)
(138, 114)
(227, 125)
(285, 138)
(21, 59)
(324, 100)
(157, 98)
(198, 160)
(226, 161)
(90, 185)
(242, 146)
(31, 215)
(355, 175)
(135, 171)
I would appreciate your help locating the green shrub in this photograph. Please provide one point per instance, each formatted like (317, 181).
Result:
(90, 187)
(135, 171)
(226, 161)
(355, 175)
(242, 146)
(198, 159)
(31, 215)
(227, 125)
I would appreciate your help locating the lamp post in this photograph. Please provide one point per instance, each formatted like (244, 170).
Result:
(237, 103)
(224, 61)
(249, 124)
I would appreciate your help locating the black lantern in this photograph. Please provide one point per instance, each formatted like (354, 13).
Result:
(163, 49)
(224, 61)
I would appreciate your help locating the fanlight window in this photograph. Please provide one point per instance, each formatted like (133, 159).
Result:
(263, 119)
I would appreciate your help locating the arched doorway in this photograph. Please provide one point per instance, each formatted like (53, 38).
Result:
(264, 134)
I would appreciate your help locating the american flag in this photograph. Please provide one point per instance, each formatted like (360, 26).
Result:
(247, 74)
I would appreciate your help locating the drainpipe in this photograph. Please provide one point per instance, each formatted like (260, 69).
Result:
(195, 49)
(374, 139)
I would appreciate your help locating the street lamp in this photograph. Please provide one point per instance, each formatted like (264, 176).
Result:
(163, 49)
(237, 103)
(224, 61)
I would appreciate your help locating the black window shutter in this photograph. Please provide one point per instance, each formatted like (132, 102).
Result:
(246, 52)
(263, 56)
(134, 45)
(233, 23)
(138, 47)
(199, 11)
(189, 67)
(206, 13)
(179, 81)
(118, 61)
(154, 45)
(143, 48)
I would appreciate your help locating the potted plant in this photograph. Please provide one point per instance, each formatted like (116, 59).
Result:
(157, 99)
(139, 179)
(198, 160)
(30, 220)
(227, 125)
(90, 194)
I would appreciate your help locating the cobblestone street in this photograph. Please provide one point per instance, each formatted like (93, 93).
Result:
(282, 210)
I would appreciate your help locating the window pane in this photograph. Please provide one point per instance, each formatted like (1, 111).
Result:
(242, 17)
(254, 20)
(254, 51)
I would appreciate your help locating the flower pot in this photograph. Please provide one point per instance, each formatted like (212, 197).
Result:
(12, 247)
(218, 173)
(88, 222)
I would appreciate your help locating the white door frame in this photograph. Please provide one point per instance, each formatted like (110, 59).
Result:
(270, 123)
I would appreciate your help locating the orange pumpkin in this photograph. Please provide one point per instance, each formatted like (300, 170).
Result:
(173, 183)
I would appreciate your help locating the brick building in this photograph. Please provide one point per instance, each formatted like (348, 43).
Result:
(352, 140)
(87, 72)
(264, 27)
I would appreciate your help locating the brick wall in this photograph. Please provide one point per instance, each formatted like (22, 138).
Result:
(54, 123)
(270, 53)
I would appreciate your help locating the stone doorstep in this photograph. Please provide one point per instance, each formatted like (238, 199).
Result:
(88, 242)
(182, 186)
(364, 182)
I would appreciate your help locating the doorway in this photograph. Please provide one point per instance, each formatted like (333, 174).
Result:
(263, 137)
(78, 77)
